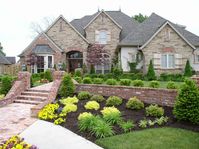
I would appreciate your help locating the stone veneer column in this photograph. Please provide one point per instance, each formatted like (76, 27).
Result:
(25, 77)
(57, 75)
(196, 78)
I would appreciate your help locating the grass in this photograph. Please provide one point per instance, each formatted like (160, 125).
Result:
(156, 138)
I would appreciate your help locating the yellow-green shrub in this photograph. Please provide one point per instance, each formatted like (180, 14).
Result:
(111, 114)
(92, 105)
(48, 112)
(69, 107)
(84, 115)
(2, 96)
(70, 100)
(59, 121)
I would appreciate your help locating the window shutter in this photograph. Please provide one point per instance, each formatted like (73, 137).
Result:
(108, 36)
(156, 60)
(178, 60)
(96, 36)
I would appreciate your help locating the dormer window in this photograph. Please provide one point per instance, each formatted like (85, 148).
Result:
(102, 36)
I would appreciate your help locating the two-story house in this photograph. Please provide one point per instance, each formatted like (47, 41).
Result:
(167, 44)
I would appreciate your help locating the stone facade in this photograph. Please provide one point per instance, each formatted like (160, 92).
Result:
(158, 45)
(103, 22)
(162, 97)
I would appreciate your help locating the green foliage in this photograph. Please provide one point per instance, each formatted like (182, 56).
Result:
(88, 122)
(78, 79)
(154, 110)
(48, 112)
(151, 123)
(55, 67)
(138, 83)
(6, 84)
(132, 76)
(132, 66)
(92, 105)
(127, 126)
(97, 80)
(69, 100)
(113, 101)
(162, 120)
(69, 107)
(125, 82)
(154, 84)
(59, 121)
(48, 75)
(87, 80)
(78, 73)
(64, 66)
(98, 98)
(67, 86)
(187, 104)
(84, 95)
(151, 73)
(171, 77)
(92, 69)
(2, 96)
(111, 115)
(117, 72)
(140, 17)
(171, 85)
(42, 75)
(111, 82)
(135, 104)
(143, 123)
(84, 115)
(188, 69)
(84, 68)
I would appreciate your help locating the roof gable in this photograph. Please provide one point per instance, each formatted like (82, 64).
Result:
(3, 60)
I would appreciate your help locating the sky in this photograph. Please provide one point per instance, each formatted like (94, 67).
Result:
(16, 16)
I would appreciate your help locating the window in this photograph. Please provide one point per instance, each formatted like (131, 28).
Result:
(50, 61)
(40, 64)
(102, 68)
(102, 36)
(168, 61)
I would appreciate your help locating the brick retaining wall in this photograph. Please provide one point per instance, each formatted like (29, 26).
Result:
(162, 97)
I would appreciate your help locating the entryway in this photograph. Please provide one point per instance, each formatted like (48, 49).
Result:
(75, 60)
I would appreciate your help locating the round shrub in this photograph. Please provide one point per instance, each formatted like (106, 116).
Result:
(126, 82)
(113, 101)
(6, 84)
(78, 73)
(111, 82)
(171, 85)
(154, 84)
(92, 105)
(87, 80)
(98, 98)
(97, 80)
(83, 95)
(186, 107)
(138, 83)
(154, 110)
(134, 103)
(78, 79)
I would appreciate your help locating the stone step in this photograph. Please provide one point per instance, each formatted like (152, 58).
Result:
(33, 98)
(27, 102)
(37, 90)
(30, 93)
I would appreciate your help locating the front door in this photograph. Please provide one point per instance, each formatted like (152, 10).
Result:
(75, 60)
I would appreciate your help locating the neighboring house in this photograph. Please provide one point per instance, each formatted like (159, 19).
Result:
(5, 62)
(167, 44)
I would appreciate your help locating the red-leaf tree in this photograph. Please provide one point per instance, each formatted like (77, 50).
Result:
(34, 59)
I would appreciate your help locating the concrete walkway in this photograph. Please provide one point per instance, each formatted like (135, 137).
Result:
(46, 135)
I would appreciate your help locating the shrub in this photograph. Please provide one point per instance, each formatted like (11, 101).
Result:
(134, 103)
(67, 86)
(171, 77)
(78, 73)
(161, 120)
(132, 76)
(84, 115)
(154, 84)
(2, 96)
(143, 123)
(78, 79)
(138, 83)
(48, 112)
(48, 75)
(6, 84)
(42, 75)
(84, 68)
(127, 126)
(70, 100)
(117, 72)
(171, 85)
(187, 104)
(151, 73)
(60, 120)
(111, 114)
(92, 105)
(92, 69)
(87, 123)
(154, 110)
(113, 101)
(97, 80)
(188, 69)
(98, 98)
(126, 82)
(87, 80)
(83, 95)
(69, 107)
(111, 82)
(151, 123)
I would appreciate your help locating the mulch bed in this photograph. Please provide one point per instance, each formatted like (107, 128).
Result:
(127, 114)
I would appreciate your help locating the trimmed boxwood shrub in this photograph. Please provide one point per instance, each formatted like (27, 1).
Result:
(78, 79)
(98, 98)
(111, 82)
(67, 86)
(154, 110)
(135, 104)
(113, 101)
(138, 83)
(97, 80)
(187, 104)
(87, 80)
(125, 82)
(78, 73)
(84, 95)
(154, 84)
(117, 72)
(171, 85)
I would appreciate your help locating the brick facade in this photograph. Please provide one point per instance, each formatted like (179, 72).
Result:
(162, 97)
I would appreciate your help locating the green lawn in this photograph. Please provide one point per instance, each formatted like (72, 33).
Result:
(156, 138)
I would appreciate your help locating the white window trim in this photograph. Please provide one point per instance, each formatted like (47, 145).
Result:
(167, 61)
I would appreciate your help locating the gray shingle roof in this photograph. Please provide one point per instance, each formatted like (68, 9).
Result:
(143, 32)
(3, 60)
(42, 49)
(126, 22)
(11, 59)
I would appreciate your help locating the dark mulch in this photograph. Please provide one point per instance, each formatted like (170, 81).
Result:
(127, 114)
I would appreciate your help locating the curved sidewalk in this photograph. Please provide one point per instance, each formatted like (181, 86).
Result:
(46, 135)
